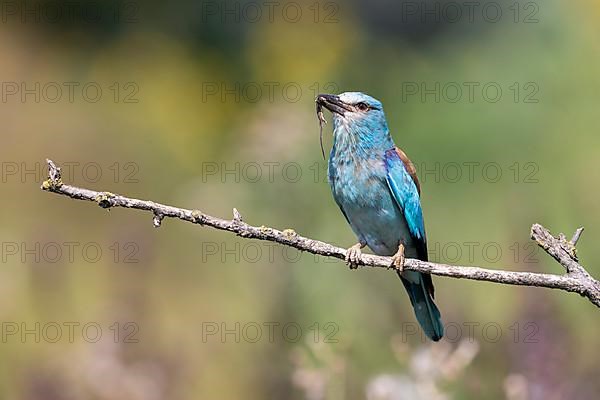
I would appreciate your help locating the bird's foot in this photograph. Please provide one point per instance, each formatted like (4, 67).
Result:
(353, 255)
(398, 259)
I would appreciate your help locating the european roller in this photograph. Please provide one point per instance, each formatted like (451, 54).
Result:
(375, 185)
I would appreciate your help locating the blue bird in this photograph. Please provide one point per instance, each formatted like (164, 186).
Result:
(376, 187)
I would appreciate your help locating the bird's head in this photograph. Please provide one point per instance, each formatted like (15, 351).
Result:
(357, 118)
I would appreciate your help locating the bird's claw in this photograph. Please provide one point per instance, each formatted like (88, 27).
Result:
(353, 255)
(398, 259)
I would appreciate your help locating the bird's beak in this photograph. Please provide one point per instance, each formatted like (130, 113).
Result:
(332, 103)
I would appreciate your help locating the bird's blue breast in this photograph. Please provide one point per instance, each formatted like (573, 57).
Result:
(358, 180)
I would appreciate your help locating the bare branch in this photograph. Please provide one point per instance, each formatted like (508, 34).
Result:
(575, 280)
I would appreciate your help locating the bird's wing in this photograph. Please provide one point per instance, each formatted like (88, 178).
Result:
(404, 185)
(410, 167)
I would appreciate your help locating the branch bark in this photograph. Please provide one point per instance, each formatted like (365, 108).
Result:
(576, 279)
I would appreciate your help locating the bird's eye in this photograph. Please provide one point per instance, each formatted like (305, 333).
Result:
(362, 106)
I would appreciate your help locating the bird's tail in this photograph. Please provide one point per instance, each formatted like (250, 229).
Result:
(426, 311)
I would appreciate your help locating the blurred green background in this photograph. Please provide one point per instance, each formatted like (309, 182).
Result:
(210, 105)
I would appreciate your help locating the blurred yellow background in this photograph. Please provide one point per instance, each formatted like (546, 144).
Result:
(210, 105)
